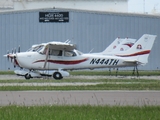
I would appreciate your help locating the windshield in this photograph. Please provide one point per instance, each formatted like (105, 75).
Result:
(79, 53)
(30, 49)
(35, 49)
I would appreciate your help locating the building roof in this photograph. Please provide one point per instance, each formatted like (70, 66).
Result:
(85, 11)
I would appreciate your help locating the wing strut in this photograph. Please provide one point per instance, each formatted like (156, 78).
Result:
(47, 54)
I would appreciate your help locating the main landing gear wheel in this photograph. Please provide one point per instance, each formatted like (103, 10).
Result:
(27, 76)
(57, 75)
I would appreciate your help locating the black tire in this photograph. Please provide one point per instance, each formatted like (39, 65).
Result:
(27, 76)
(57, 75)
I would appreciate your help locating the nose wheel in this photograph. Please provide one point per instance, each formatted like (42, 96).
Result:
(57, 75)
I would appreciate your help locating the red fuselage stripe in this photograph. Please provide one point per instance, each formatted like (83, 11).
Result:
(135, 54)
(73, 62)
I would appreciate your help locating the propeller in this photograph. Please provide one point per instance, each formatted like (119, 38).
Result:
(8, 55)
(12, 55)
(15, 50)
(19, 50)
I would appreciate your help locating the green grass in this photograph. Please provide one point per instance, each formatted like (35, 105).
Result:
(59, 81)
(101, 72)
(105, 86)
(72, 80)
(79, 113)
(113, 73)
(6, 72)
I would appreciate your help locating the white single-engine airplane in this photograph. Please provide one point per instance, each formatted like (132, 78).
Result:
(61, 56)
(119, 44)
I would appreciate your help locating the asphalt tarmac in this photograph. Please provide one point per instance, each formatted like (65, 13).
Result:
(116, 97)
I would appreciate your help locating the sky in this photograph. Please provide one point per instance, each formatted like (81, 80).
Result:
(144, 6)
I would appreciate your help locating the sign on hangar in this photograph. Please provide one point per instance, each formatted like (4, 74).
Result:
(53, 16)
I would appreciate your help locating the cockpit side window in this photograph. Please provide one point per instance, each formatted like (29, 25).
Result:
(55, 52)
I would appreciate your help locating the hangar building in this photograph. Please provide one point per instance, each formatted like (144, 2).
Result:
(88, 29)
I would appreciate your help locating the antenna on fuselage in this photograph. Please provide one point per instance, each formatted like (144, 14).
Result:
(91, 50)
(67, 41)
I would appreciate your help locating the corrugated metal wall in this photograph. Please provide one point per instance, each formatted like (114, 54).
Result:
(85, 28)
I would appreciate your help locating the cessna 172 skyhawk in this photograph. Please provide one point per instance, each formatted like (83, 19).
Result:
(119, 44)
(61, 56)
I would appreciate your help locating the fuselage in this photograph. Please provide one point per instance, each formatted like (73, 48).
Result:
(36, 60)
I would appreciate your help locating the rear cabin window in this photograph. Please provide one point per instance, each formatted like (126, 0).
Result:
(69, 53)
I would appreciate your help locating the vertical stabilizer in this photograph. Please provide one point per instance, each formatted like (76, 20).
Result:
(141, 49)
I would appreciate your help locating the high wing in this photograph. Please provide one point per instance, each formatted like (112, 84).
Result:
(60, 46)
